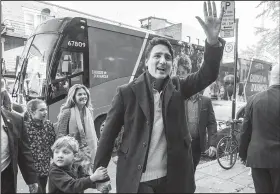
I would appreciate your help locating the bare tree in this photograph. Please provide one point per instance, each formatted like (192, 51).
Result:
(270, 37)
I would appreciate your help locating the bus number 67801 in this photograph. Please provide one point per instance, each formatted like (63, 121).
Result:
(76, 43)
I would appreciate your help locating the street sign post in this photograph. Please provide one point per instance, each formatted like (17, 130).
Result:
(227, 26)
(235, 68)
(228, 56)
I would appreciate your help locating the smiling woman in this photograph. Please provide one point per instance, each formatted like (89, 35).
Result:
(76, 119)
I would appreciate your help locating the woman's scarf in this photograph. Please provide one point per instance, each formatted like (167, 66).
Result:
(88, 135)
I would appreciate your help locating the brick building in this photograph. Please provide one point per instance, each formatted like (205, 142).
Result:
(154, 23)
(178, 31)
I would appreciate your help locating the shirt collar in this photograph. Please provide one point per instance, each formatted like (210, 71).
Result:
(195, 98)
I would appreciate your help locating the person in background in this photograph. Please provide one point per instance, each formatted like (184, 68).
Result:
(241, 91)
(15, 151)
(183, 68)
(65, 175)
(201, 123)
(6, 101)
(260, 136)
(230, 91)
(215, 90)
(41, 136)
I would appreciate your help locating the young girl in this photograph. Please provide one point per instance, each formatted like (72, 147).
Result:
(76, 119)
(41, 136)
(65, 175)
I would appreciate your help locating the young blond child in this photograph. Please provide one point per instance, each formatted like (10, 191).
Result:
(64, 176)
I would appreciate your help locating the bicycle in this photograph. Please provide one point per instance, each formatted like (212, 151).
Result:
(228, 146)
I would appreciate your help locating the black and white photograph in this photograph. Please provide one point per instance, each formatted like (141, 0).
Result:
(140, 97)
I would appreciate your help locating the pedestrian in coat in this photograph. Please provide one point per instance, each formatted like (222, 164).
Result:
(201, 121)
(15, 151)
(155, 154)
(41, 136)
(260, 136)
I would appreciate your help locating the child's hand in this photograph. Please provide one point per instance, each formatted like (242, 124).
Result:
(104, 187)
(99, 174)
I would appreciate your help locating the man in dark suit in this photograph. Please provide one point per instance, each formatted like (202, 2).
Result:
(155, 153)
(260, 136)
(15, 152)
(201, 120)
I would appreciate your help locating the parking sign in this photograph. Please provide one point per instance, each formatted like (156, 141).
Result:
(227, 27)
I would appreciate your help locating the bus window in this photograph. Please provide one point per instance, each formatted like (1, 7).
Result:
(70, 63)
(112, 55)
(70, 67)
(38, 58)
(59, 89)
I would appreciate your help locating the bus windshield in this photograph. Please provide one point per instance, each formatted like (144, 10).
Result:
(37, 57)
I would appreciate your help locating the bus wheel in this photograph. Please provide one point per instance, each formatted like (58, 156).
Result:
(99, 124)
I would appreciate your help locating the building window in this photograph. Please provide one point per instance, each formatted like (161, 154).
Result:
(32, 18)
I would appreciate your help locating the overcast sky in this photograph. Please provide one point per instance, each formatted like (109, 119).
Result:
(129, 12)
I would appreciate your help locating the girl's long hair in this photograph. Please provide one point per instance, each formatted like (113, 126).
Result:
(70, 101)
(31, 107)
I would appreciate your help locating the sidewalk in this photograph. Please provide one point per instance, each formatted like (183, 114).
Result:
(211, 178)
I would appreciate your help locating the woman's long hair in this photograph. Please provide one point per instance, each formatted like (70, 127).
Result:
(70, 101)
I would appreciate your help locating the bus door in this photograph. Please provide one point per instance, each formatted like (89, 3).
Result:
(70, 65)
(68, 70)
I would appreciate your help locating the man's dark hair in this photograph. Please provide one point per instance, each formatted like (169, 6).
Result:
(156, 41)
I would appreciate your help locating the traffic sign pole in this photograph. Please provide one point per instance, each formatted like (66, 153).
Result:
(235, 68)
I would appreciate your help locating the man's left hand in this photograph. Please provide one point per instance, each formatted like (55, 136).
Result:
(212, 151)
(33, 188)
(212, 24)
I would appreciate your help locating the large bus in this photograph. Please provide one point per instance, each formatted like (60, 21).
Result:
(100, 55)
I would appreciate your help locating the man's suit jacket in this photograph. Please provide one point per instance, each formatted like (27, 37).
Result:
(131, 108)
(19, 148)
(206, 120)
(260, 135)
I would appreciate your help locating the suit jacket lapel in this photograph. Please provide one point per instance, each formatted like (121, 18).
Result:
(199, 101)
(168, 91)
(140, 89)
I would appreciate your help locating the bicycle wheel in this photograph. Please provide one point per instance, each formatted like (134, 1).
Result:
(227, 149)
